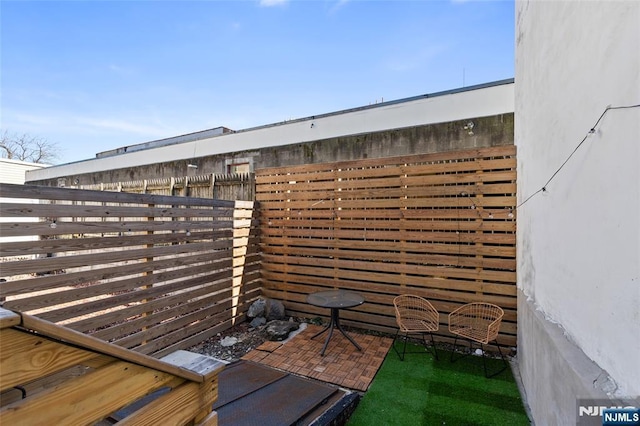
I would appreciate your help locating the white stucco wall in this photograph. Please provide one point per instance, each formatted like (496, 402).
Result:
(441, 108)
(579, 242)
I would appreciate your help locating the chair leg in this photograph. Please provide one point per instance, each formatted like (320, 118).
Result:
(404, 346)
(404, 349)
(433, 345)
(484, 362)
(506, 364)
(453, 351)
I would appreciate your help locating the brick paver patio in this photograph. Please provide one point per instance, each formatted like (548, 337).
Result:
(342, 364)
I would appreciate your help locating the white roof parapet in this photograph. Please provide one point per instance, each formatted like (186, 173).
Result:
(459, 104)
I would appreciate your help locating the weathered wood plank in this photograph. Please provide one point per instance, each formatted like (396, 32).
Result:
(116, 227)
(313, 190)
(96, 211)
(177, 407)
(138, 296)
(109, 288)
(26, 357)
(201, 336)
(126, 326)
(107, 273)
(90, 343)
(106, 257)
(129, 314)
(298, 283)
(89, 398)
(367, 186)
(318, 266)
(384, 293)
(275, 256)
(51, 193)
(90, 242)
(165, 328)
(171, 335)
(409, 224)
(395, 235)
(8, 318)
(47, 382)
(208, 366)
(340, 201)
(385, 246)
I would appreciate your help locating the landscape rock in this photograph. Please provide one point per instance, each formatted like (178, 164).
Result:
(228, 341)
(257, 309)
(258, 321)
(279, 330)
(274, 310)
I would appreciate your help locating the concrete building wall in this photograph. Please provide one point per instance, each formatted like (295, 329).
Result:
(415, 125)
(488, 131)
(578, 241)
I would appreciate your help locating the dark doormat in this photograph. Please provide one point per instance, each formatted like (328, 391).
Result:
(242, 378)
(253, 394)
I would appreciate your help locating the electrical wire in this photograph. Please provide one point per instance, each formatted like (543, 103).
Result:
(591, 131)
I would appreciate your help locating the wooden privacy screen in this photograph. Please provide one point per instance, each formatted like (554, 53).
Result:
(147, 272)
(439, 225)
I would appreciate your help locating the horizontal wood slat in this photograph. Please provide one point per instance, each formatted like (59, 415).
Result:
(88, 398)
(438, 225)
(174, 408)
(26, 357)
(95, 260)
(32, 192)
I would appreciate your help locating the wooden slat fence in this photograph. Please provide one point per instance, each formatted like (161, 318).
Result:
(232, 186)
(440, 225)
(151, 273)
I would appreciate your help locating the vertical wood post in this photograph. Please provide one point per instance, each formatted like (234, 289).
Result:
(242, 214)
(148, 273)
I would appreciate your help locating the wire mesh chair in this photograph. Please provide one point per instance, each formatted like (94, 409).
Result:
(415, 315)
(477, 322)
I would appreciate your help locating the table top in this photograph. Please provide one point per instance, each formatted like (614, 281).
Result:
(335, 299)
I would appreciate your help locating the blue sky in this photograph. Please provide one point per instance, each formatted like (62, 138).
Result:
(93, 76)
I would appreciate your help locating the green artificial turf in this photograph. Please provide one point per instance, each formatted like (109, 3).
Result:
(423, 391)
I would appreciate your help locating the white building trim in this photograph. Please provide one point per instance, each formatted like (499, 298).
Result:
(470, 102)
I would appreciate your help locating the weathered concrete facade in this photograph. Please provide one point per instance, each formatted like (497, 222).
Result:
(578, 245)
(489, 131)
(474, 116)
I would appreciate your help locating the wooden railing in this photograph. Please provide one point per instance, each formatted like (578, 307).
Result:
(147, 272)
(50, 375)
(440, 226)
